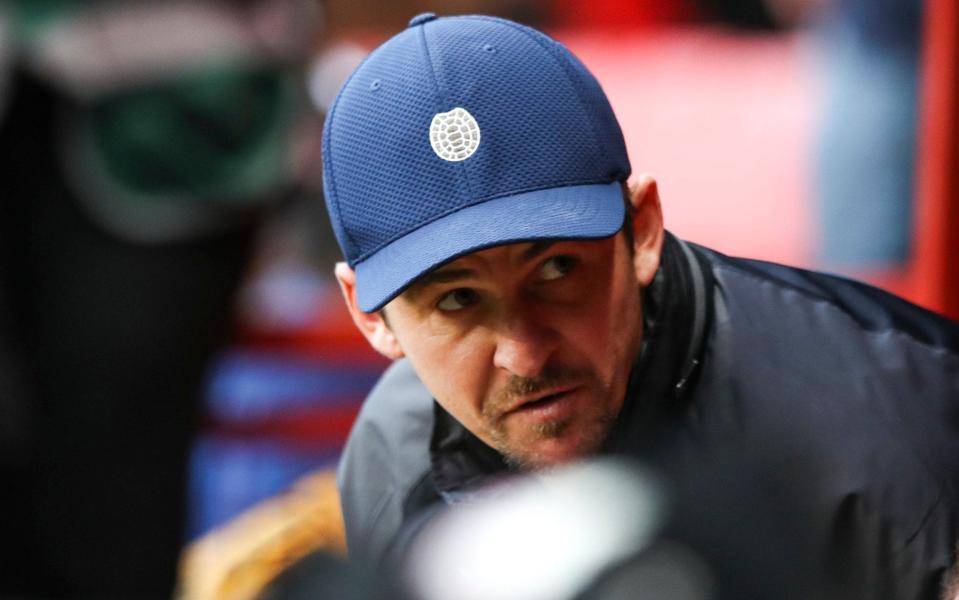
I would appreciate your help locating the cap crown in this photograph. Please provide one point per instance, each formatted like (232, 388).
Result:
(543, 122)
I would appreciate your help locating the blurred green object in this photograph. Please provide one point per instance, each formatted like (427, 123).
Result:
(221, 134)
(177, 118)
(31, 17)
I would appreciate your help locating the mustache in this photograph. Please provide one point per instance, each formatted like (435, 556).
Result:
(517, 387)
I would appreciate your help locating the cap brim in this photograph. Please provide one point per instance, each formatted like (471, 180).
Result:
(573, 212)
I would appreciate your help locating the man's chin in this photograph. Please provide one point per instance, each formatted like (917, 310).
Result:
(548, 450)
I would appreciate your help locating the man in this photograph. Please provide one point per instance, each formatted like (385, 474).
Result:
(474, 173)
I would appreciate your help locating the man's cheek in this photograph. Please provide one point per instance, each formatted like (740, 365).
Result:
(462, 391)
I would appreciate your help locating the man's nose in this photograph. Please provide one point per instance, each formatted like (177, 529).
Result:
(524, 346)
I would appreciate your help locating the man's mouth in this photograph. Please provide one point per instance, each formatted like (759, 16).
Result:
(543, 401)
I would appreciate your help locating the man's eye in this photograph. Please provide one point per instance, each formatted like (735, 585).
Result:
(457, 299)
(557, 267)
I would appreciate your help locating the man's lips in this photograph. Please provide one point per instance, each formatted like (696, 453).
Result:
(541, 399)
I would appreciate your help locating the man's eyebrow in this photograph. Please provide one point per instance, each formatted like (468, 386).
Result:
(438, 276)
(451, 275)
(536, 249)
(446, 276)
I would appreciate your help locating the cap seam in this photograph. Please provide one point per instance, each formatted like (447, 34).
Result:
(455, 209)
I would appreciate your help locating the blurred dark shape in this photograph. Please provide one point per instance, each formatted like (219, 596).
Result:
(745, 14)
(754, 533)
(664, 570)
(133, 186)
(608, 531)
(550, 536)
(114, 339)
(321, 575)
(632, 14)
(345, 18)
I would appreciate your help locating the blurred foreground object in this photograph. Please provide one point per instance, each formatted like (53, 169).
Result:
(610, 529)
(143, 142)
(553, 536)
(239, 560)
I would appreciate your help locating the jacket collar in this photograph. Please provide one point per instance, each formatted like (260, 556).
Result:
(676, 319)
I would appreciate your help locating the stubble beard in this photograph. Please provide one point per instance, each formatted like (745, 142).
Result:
(522, 454)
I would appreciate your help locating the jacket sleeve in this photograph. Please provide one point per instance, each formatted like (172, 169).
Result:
(386, 455)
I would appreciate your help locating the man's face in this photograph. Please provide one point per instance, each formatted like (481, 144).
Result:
(529, 346)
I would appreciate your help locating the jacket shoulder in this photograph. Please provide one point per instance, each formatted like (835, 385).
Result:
(871, 308)
(386, 456)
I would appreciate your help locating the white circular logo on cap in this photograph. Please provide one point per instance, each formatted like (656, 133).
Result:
(454, 135)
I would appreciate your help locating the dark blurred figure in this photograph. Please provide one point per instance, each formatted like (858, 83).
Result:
(141, 143)
(635, 14)
(745, 14)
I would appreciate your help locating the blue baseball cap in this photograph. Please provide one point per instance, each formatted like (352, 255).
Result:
(463, 133)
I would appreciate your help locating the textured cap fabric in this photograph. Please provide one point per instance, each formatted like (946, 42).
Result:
(463, 133)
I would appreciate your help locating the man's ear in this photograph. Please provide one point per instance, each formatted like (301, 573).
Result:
(372, 325)
(647, 228)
